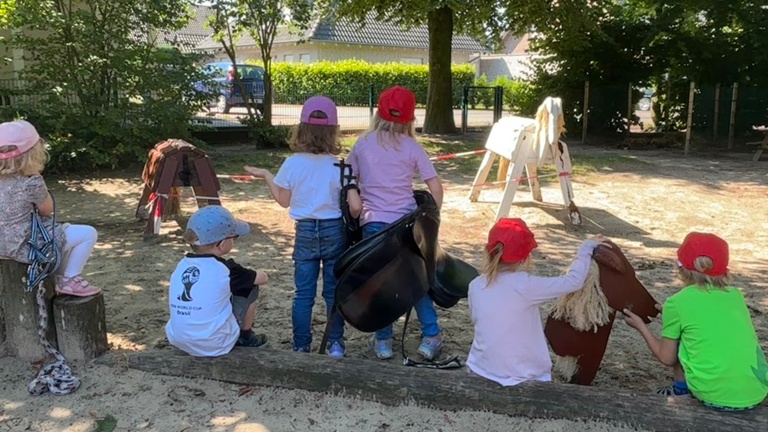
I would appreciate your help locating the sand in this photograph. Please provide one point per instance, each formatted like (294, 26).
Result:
(142, 402)
(645, 205)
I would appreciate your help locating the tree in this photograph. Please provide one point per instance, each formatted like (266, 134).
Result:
(261, 19)
(443, 19)
(483, 19)
(94, 81)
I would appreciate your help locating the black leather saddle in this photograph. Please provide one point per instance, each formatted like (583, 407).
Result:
(384, 276)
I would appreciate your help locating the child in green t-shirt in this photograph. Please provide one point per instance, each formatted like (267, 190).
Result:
(707, 336)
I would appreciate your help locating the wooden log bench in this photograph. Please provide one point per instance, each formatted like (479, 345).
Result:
(76, 326)
(455, 390)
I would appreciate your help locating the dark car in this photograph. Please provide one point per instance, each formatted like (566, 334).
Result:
(229, 93)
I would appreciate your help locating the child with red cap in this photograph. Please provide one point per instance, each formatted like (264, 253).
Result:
(385, 159)
(707, 335)
(308, 183)
(22, 159)
(509, 346)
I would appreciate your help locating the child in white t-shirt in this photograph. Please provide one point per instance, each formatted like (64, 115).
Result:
(509, 346)
(212, 300)
(309, 183)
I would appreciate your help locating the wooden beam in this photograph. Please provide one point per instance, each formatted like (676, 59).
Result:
(689, 122)
(392, 384)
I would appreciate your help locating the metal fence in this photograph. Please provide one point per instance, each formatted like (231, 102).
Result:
(479, 107)
(716, 115)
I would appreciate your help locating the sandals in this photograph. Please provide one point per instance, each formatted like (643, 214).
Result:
(76, 286)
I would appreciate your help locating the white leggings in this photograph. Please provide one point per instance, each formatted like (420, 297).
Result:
(77, 249)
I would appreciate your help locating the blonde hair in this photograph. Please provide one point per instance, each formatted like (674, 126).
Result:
(394, 131)
(701, 280)
(315, 139)
(492, 264)
(29, 163)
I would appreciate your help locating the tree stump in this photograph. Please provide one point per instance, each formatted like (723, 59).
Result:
(20, 313)
(81, 328)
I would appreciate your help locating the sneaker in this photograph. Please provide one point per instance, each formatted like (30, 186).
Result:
(337, 350)
(430, 347)
(672, 390)
(304, 349)
(382, 348)
(251, 340)
(75, 286)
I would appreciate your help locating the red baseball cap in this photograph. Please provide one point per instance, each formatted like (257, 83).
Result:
(698, 244)
(397, 104)
(516, 238)
(320, 104)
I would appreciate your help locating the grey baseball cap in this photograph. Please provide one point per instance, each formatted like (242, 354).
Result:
(212, 224)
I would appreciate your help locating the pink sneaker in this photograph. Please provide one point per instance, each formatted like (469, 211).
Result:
(76, 286)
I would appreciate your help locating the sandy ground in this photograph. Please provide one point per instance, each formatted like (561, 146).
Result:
(646, 205)
(142, 402)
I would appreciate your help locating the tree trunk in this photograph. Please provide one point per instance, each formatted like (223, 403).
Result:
(20, 313)
(81, 330)
(267, 113)
(439, 118)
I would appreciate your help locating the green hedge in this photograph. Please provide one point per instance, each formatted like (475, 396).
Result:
(348, 82)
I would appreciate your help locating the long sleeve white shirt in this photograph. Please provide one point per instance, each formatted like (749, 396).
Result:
(509, 346)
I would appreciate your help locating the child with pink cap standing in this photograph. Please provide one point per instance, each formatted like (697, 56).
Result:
(22, 188)
(509, 346)
(385, 159)
(309, 183)
(707, 335)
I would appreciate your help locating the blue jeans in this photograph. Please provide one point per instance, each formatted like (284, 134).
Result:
(317, 241)
(425, 309)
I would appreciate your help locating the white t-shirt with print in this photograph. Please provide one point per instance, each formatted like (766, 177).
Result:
(201, 322)
(315, 185)
(509, 345)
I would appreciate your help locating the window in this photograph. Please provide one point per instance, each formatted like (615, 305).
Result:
(412, 60)
(288, 58)
(304, 58)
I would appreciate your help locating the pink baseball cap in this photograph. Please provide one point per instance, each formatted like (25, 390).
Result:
(20, 134)
(310, 112)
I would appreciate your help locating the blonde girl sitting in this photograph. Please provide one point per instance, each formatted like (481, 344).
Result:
(509, 346)
(22, 159)
(707, 336)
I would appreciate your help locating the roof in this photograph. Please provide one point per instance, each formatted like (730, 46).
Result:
(193, 33)
(344, 31)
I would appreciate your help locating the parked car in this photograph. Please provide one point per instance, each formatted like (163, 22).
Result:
(644, 104)
(229, 93)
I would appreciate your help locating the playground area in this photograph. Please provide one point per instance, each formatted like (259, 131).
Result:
(644, 201)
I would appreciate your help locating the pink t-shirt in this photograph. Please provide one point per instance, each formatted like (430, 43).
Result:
(509, 346)
(385, 176)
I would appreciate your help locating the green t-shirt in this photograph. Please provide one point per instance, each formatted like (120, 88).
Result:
(722, 359)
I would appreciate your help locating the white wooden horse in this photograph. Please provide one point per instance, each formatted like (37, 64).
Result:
(526, 144)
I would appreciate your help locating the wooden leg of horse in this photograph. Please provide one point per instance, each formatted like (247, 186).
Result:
(482, 175)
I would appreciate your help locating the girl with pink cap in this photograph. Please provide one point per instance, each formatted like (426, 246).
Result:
(309, 183)
(22, 188)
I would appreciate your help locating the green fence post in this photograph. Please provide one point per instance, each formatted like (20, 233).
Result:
(498, 103)
(464, 108)
(370, 99)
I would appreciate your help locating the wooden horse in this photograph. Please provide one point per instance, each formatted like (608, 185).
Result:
(579, 325)
(524, 144)
(173, 164)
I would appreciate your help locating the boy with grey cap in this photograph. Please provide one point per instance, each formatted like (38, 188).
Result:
(212, 300)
